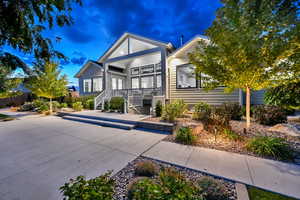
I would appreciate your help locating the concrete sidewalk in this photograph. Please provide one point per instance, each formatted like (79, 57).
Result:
(267, 174)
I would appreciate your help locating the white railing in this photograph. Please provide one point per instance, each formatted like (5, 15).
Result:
(101, 98)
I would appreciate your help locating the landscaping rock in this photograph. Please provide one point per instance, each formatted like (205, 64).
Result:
(288, 129)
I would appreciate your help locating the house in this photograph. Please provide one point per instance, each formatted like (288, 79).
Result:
(145, 71)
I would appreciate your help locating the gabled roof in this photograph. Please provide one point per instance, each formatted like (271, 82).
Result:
(86, 65)
(188, 44)
(126, 35)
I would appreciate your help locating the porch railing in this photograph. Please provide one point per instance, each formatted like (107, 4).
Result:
(106, 95)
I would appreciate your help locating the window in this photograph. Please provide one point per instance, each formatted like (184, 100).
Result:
(120, 84)
(97, 84)
(87, 85)
(114, 83)
(158, 81)
(135, 71)
(147, 81)
(135, 83)
(147, 69)
(185, 76)
(158, 67)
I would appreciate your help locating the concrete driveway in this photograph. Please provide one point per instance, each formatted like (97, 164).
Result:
(38, 155)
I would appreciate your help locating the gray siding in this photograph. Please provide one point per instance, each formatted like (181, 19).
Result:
(92, 71)
(194, 95)
(257, 97)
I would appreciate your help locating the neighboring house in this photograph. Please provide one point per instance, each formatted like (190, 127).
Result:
(144, 71)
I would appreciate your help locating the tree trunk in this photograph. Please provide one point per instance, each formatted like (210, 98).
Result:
(248, 107)
(50, 106)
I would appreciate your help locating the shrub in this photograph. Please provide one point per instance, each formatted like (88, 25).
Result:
(202, 111)
(63, 105)
(176, 186)
(270, 146)
(43, 108)
(55, 105)
(106, 106)
(100, 188)
(89, 104)
(77, 106)
(286, 96)
(146, 168)
(174, 110)
(158, 109)
(38, 103)
(27, 106)
(212, 189)
(232, 135)
(117, 103)
(234, 110)
(185, 135)
(143, 189)
(269, 115)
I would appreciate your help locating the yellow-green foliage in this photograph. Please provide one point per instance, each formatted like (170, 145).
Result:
(174, 110)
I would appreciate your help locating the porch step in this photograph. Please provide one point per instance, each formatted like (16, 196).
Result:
(91, 117)
(100, 122)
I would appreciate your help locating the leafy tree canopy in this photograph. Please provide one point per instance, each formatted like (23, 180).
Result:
(48, 83)
(21, 25)
(253, 43)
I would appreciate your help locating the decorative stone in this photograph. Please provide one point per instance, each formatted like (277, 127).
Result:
(288, 129)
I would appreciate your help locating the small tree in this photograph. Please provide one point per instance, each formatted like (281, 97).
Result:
(253, 45)
(48, 83)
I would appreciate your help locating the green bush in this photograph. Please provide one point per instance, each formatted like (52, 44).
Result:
(185, 135)
(212, 189)
(170, 185)
(269, 115)
(286, 96)
(55, 105)
(175, 186)
(100, 188)
(271, 147)
(158, 109)
(106, 106)
(234, 110)
(27, 106)
(63, 105)
(144, 189)
(202, 111)
(146, 168)
(38, 103)
(89, 104)
(43, 108)
(117, 103)
(232, 135)
(83, 99)
(77, 106)
(174, 110)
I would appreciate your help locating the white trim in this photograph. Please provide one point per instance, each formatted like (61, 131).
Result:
(85, 66)
(126, 35)
(187, 45)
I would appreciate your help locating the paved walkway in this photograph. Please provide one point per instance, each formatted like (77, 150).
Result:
(267, 174)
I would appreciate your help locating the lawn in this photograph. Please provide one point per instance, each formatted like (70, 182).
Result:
(258, 194)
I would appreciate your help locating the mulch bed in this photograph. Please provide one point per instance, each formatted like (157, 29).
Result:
(207, 140)
(126, 175)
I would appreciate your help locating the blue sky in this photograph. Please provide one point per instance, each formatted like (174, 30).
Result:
(98, 23)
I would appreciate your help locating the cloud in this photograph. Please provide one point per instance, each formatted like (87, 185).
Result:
(78, 58)
(163, 20)
(78, 61)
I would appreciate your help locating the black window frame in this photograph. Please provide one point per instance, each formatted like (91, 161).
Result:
(147, 66)
(156, 67)
(134, 68)
(153, 79)
(139, 84)
(196, 82)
